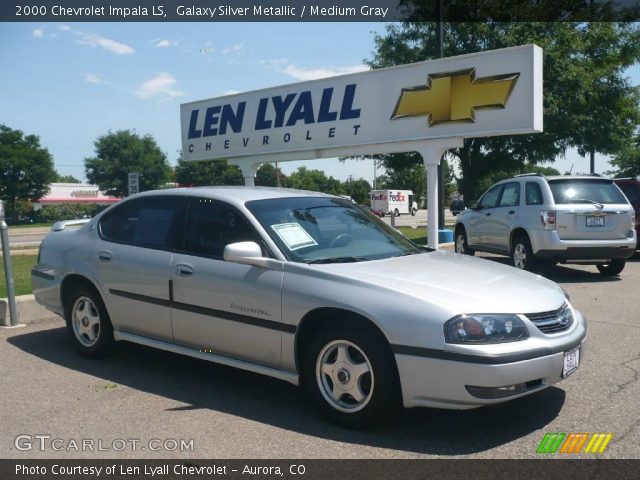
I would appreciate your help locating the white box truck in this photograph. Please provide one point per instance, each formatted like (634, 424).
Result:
(396, 202)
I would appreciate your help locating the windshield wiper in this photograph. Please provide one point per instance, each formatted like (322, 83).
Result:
(338, 260)
(582, 200)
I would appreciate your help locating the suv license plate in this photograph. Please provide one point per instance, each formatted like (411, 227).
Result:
(571, 362)
(595, 221)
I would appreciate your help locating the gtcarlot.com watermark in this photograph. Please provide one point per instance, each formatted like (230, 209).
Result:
(48, 443)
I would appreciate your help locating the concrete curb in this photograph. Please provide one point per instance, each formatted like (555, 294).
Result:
(29, 311)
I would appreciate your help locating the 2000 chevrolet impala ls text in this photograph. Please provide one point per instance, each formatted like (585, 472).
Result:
(311, 289)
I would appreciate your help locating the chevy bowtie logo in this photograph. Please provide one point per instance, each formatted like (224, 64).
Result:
(453, 97)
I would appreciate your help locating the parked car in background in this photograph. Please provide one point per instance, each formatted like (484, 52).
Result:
(310, 289)
(631, 188)
(456, 207)
(541, 220)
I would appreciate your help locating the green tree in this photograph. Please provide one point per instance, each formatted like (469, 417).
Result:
(26, 168)
(627, 162)
(67, 179)
(358, 190)
(124, 152)
(213, 172)
(267, 176)
(314, 180)
(588, 103)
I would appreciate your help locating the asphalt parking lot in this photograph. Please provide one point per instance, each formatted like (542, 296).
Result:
(140, 393)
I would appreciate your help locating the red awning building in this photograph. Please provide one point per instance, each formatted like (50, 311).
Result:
(60, 193)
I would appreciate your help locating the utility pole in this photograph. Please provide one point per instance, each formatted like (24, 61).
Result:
(439, 43)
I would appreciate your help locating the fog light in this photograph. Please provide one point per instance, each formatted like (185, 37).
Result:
(489, 393)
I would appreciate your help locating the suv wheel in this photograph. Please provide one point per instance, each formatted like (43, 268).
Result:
(461, 245)
(350, 375)
(522, 254)
(612, 268)
(88, 322)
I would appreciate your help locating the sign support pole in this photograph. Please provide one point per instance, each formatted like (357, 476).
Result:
(8, 270)
(431, 152)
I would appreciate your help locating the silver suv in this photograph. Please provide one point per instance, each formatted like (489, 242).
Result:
(541, 220)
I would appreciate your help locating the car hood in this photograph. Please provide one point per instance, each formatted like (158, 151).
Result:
(459, 283)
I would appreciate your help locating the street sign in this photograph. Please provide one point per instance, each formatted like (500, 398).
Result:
(134, 183)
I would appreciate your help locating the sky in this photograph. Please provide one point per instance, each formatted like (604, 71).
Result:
(70, 83)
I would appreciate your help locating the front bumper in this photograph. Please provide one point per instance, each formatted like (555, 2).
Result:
(428, 381)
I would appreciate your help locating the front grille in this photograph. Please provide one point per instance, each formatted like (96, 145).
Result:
(552, 322)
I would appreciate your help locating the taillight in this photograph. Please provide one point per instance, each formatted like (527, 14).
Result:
(548, 218)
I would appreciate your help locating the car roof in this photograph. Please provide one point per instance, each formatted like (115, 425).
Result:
(577, 177)
(236, 194)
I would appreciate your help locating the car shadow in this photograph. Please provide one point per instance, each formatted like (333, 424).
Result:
(564, 273)
(203, 385)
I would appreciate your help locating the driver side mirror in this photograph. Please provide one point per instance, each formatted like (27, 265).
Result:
(249, 253)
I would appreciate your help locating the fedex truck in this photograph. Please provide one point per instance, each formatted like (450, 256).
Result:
(396, 202)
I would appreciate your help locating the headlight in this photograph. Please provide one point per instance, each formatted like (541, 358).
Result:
(476, 329)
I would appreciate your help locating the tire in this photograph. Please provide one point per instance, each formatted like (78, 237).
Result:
(522, 254)
(461, 245)
(88, 322)
(368, 369)
(396, 213)
(413, 212)
(614, 267)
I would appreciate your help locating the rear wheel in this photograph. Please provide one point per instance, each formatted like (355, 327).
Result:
(350, 375)
(461, 245)
(612, 268)
(522, 254)
(88, 322)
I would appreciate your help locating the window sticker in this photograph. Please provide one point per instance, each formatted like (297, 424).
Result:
(294, 236)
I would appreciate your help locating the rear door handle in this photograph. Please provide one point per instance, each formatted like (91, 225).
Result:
(104, 256)
(511, 212)
(184, 270)
(488, 214)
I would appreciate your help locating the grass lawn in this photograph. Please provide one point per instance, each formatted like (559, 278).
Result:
(22, 265)
(418, 235)
(30, 225)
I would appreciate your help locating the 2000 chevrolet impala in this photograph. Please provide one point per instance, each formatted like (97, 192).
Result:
(311, 289)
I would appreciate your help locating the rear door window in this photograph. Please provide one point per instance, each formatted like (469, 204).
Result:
(145, 222)
(510, 195)
(585, 191)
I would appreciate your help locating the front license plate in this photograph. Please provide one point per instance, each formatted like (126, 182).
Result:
(595, 221)
(571, 362)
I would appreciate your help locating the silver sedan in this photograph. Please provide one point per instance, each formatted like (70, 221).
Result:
(310, 289)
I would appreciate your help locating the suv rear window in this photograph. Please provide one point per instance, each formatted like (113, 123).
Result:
(585, 191)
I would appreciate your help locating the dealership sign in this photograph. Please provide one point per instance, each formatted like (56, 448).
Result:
(498, 92)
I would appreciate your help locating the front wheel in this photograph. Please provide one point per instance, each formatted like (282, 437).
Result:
(88, 322)
(414, 211)
(350, 375)
(396, 213)
(612, 268)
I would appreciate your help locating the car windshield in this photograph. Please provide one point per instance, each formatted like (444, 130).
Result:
(328, 230)
(585, 191)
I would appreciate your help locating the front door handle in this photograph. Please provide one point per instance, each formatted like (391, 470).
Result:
(184, 270)
(104, 256)
(488, 214)
(511, 212)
